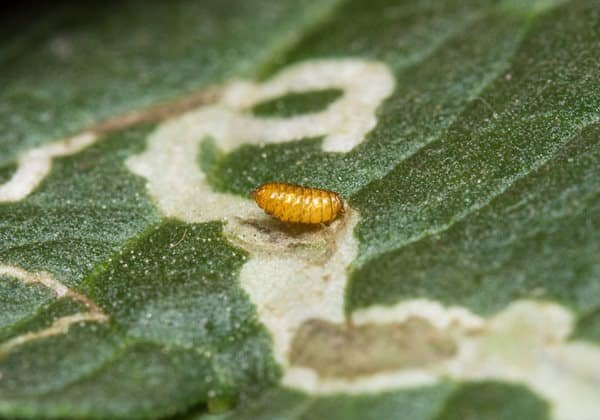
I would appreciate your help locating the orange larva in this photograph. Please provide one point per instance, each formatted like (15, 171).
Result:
(297, 204)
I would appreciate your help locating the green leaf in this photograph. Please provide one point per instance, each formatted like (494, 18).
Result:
(297, 103)
(138, 279)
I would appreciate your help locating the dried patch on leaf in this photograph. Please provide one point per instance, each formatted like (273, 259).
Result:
(525, 343)
(315, 243)
(350, 351)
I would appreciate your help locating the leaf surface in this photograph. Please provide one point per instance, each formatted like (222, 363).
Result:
(133, 286)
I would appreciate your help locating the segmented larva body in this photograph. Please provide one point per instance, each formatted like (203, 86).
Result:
(297, 204)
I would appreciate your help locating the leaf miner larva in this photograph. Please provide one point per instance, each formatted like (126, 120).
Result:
(298, 204)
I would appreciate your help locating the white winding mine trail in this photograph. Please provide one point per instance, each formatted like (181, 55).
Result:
(295, 278)
(34, 165)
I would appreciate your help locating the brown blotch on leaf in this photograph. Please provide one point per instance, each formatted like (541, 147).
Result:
(158, 112)
(347, 351)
